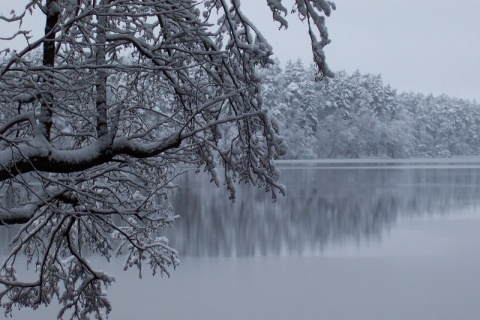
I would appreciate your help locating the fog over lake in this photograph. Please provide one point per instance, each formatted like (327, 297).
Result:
(351, 240)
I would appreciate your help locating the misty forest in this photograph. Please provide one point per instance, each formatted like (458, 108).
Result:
(142, 137)
(358, 116)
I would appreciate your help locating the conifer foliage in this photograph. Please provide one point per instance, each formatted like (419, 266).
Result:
(358, 116)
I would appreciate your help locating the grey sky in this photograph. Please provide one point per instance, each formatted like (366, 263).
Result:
(427, 46)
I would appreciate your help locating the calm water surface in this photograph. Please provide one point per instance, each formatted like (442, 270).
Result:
(352, 240)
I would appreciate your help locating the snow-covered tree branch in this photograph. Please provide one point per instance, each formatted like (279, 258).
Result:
(101, 113)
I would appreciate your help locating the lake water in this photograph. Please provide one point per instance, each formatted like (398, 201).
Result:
(352, 240)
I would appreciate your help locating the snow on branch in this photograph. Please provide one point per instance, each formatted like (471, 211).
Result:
(102, 112)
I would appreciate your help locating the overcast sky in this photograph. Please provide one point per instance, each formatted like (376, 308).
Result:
(427, 46)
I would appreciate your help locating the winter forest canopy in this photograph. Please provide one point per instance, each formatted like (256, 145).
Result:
(99, 115)
(102, 112)
(357, 116)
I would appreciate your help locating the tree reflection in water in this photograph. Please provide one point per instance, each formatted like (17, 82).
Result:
(323, 207)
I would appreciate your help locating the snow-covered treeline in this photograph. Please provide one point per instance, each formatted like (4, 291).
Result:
(358, 116)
